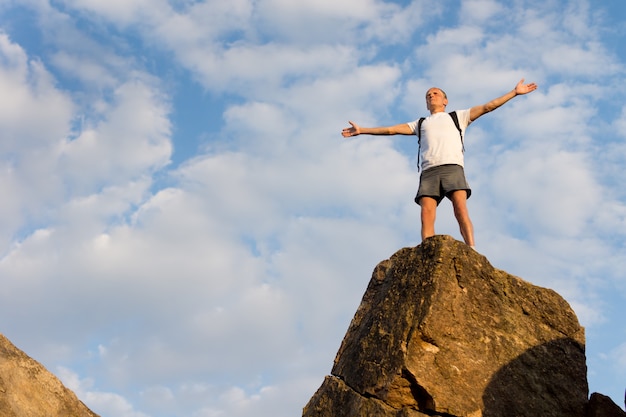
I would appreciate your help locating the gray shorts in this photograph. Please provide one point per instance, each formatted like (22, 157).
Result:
(438, 182)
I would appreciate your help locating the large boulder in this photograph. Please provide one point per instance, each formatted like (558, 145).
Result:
(442, 332)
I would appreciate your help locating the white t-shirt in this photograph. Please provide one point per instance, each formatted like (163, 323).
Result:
(441, 142)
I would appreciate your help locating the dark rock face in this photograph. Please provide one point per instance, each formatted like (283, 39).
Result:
(602, 406)
(27, 389)
(440, 332)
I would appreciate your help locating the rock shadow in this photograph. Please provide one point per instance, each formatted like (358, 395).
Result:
(548, 380)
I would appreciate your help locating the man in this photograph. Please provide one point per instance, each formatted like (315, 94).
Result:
(441, 152)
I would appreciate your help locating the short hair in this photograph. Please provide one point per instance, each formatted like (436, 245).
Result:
(442, 92)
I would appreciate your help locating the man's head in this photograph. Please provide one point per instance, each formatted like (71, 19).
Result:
(436, 100)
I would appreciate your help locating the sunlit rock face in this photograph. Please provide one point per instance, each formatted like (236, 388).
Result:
(441, 332)
(27, 389)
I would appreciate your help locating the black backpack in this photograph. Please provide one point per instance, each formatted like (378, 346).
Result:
(455, 119)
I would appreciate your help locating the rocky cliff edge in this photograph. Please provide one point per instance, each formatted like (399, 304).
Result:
(441, 332)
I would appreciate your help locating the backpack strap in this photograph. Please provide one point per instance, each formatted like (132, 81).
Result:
(419, 140)
(455, 119)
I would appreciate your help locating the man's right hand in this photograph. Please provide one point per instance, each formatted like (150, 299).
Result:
(354, 130)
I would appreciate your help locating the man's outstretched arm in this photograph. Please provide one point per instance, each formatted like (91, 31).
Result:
(520, 88)
(354, 130)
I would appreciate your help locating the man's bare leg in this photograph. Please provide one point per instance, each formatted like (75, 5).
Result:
(459, 203)
(429, 213)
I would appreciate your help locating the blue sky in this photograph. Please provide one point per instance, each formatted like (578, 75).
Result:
(185, 232)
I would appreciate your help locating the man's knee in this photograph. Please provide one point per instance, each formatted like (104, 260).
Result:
(428, 204)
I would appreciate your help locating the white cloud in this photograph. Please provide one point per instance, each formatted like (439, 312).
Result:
(106, 403)
(32, 111)
(579, 60)
(620, 124)
(618, 355)
(34, 116)
(546, 188)
(118, 11)
(480, 10)
(131, 140)
(84, 68)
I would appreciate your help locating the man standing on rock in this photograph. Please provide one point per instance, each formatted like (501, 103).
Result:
(441, 153)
